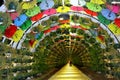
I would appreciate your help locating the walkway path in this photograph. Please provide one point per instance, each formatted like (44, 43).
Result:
(69, 73)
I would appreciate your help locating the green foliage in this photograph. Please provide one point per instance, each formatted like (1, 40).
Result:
(6, 20)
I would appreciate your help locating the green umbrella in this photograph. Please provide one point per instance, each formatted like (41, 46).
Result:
(94, 7)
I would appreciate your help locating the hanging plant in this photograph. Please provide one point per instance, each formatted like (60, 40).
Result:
(30, 35)
(54, 19)
(46, 23)
(38, 28)
(5, 21)
(75, 18)
(13, 6)
(85, 21)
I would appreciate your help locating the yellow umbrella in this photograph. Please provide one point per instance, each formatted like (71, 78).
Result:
(65, 26)
(28, 5)
(114, 28)
(63, 9)
(98, 1)
(118, 32)
(34, 44)
(17, 36)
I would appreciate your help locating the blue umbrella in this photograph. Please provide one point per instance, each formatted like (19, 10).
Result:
(20, 20)
(108, 14)
(46, 4)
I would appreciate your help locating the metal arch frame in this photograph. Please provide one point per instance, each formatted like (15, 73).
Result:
(103, 26)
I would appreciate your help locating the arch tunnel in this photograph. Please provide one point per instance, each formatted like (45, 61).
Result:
(36, 43)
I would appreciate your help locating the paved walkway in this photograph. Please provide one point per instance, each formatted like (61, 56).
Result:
(69, 73)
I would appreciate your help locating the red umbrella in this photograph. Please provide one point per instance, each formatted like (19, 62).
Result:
(47, 31)
(54, 28)
(31, 42)
(79, 27)
(117, 22)
(50, 11)
(10, 31)
(37, 17)
(90, 12)
(77, 8)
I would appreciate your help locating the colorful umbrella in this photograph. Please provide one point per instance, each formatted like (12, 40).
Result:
(50, 11)
(26, 25)
(20, 20)
(63, 9)
(34, 43)
(117, 22)
(28, 5)
(90, 12)
(39, 35)
(114, 8)
(17, 36)
(94, 7)
(10, 31)
(13, 15)
(47, 31)
(33, 11)
(46, 4)
(114, 28)
(77, 8)
(108, 14)
(78, 2)
(37, 17)
(103, 20)
(54, 28)
(98, 1)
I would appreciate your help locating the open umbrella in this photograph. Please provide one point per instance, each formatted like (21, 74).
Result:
(103, 20)
(28, 5)
(114, 28)
(54, 28)
(78, 2)
(50, 11)
(108, 14)
(17, 36)
(20, 20)
(90, 12)
(94, 7)
(13, 15)
(10, 31)
(98, 1)
(37, 17)
(63, 9)
(46, 4)
(117, 22)
(77, 8)
(114, 8)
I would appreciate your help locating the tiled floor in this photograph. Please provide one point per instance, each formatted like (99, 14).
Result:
(69, 73)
